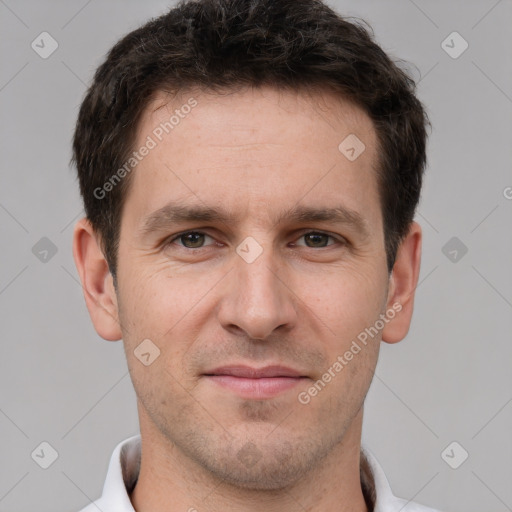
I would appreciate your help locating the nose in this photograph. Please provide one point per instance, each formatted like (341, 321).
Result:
(258, 300)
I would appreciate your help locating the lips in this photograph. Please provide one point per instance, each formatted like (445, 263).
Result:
(255, 383)
(248, 372)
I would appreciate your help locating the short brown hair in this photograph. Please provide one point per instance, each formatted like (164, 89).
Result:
(227, 44)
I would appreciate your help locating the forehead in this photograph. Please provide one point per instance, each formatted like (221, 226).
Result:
(253, 146)
(247, 113)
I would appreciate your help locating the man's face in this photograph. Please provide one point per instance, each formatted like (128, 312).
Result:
(260, 289)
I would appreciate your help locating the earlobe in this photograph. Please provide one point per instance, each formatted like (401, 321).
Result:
(97, 284)
(402, 285)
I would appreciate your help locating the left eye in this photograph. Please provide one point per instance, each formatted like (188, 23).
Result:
(315, 237)
(195, 239)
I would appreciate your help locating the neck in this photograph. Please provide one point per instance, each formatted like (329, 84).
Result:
(169, 481)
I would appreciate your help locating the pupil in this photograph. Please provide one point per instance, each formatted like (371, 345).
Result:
(189, 238)
(315, 236)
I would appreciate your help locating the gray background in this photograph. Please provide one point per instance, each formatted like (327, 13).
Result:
(450, 380)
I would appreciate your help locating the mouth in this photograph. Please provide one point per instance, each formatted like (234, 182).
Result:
(255, 383)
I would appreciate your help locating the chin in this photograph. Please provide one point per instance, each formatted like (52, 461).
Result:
(272, 467)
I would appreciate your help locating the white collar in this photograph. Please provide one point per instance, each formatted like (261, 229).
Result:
(124, 466)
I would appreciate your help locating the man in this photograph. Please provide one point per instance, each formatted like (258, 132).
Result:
(250, 172)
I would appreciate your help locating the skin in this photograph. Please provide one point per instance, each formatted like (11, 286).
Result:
(301, 303)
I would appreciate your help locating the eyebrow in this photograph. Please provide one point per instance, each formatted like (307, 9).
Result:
(175, 213)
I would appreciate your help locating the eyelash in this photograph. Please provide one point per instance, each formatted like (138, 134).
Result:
(339, 241)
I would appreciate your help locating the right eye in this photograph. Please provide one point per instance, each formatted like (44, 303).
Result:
(194, 238)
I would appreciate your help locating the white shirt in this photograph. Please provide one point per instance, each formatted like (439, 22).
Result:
(124, 466)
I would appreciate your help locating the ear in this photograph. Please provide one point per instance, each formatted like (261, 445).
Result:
(97, 282)
(402, 285)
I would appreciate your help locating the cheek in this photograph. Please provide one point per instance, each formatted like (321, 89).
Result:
(169, 312)
(346, 304)
(152, 299)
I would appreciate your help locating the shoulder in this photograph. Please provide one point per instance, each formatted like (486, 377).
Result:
(386, 501)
